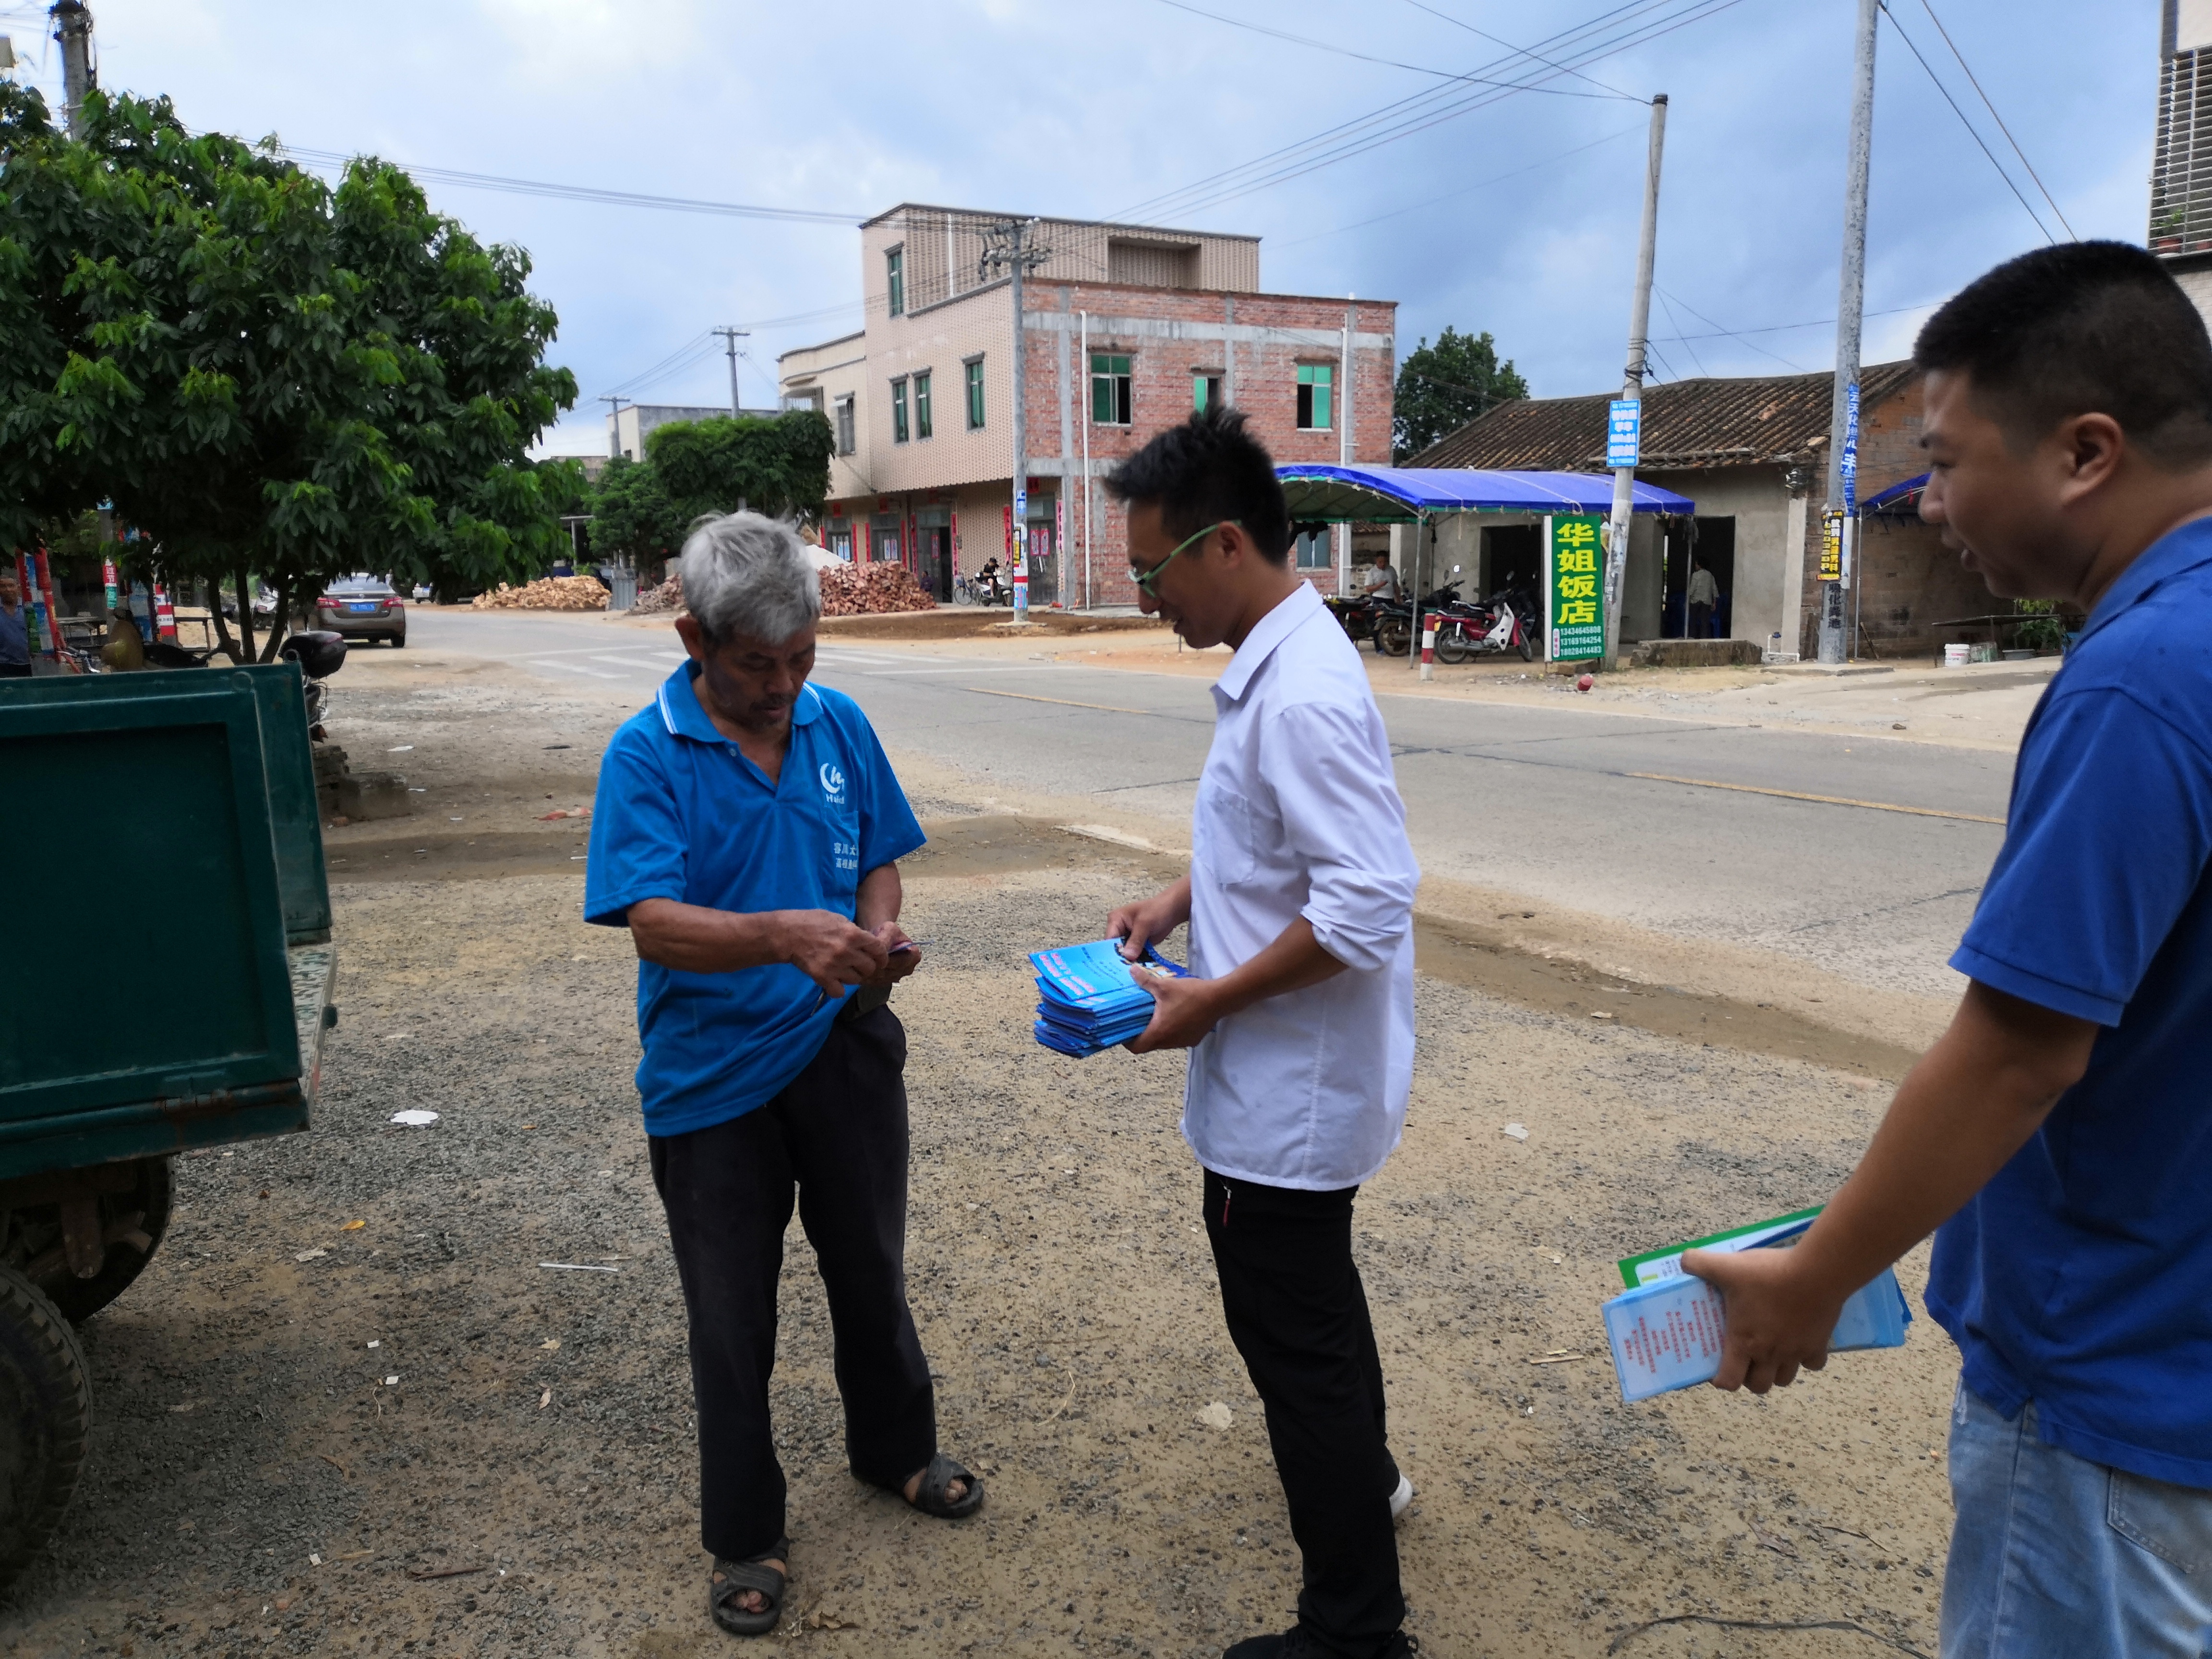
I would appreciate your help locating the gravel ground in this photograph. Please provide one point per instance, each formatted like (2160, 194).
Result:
(260, 1482)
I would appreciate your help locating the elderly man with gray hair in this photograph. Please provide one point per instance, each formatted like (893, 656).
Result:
(746, 832)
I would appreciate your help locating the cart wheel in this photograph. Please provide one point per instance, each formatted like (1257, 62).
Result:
(149, 1200)
(1394, 636)
(46, 1415)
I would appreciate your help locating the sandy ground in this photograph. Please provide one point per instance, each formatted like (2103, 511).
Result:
(259, 1483)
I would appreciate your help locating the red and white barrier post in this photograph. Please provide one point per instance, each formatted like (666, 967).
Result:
(165, 614)
(1429, 645)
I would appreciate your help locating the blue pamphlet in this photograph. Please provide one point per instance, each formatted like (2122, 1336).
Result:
(1086, 1000)
(1669, 1331)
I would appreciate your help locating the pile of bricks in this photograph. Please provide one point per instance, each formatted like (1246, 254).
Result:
(669, 596)
(546, 593)
(872, 590)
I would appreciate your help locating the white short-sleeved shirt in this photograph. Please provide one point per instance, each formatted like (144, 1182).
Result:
(1298, 815)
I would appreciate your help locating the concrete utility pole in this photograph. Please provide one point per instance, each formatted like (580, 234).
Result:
(614, 402)
(1631, 388)
(733, 335)
(1837, 519)
(72, 22)
(1006, 245)
(1342, 534)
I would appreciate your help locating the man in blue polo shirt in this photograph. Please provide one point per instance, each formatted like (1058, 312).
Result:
(2061, 1130)
(747, 831)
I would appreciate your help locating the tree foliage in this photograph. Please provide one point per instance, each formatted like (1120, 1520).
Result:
(1441, 387)
(261, 371)
(778, 467)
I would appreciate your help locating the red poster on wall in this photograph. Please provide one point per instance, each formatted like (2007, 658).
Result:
(1009, 511)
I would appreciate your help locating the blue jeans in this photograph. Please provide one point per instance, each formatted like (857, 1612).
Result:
(2053, 1557)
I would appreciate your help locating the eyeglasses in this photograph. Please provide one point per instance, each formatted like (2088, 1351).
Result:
(1148, 581)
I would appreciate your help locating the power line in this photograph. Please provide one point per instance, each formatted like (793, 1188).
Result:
(1346, 51)
(1971, 130)
(1630, 25)
(1496, 40)
(1785, 328)
(1696, 362)
(1999, 119)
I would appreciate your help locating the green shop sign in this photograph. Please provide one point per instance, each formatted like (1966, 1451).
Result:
(1574, 596)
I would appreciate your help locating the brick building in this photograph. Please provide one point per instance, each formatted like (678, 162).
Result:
(1127, 329)
(1751, 453)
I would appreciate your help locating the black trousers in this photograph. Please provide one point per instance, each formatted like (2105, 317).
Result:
(14, 670)
(838, 1134)
(1297, 1314)
(1701, 621)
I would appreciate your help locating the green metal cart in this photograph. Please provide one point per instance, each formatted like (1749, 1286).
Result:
(164, 983)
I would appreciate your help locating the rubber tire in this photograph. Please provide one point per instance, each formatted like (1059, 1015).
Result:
(45, 1419)
(398, 641)
(1452, 644)
(78, 1299)
(1394, 636)
(963, 595)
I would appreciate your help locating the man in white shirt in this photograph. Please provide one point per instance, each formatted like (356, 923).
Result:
(1299, 1011)
(1705, 593)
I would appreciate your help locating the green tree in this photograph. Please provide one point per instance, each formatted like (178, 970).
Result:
(632, 516)
(264, 373)
(1441, 387)
(778, 467)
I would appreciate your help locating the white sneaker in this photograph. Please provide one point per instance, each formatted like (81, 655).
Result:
(1402, 1499)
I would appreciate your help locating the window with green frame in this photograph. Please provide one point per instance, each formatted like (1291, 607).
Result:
(895, 269)
(898, 411)
(1109, 389)
(1205, 391)
(921, 421)
(975, 368)
(1316, 381)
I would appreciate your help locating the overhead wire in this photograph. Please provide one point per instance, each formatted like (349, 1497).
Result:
(1696, 362)
(1999, 119)
(1498, 41)
(1972, 131)
(1664, 297)
(1364, 58)
(1629, 25)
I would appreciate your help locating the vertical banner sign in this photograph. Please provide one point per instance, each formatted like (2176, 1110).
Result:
(1059, 537)
(27, 601)
(1021, 550)
(1624, 433)
(107, 576)
(44, 566)
(1831, 547)
(1850, 468)
(1574, 605)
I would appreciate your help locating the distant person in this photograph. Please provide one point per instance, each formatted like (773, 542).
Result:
(1299, 1011)
(747, 831)
(15, 634)
(1383, 583)
(1705, 594)
(2058, 1135)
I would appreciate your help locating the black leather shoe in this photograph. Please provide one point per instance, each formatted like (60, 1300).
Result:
(1300, 1643)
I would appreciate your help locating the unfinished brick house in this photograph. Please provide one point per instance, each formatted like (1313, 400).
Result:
(1753, 454)
(1128, 329)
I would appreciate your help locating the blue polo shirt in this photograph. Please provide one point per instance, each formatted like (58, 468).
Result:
(2080, 1277)
(680, 814)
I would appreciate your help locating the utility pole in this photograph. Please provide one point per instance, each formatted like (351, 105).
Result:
(72, 22)
(1631, 388)
(614, 401)
(733, 335)
(1838, 517)
(1006, 245)
(1342, 534)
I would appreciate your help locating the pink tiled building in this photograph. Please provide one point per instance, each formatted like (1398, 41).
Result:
(1127, 329)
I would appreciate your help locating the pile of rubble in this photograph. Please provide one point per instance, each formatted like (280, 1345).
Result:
(669, 596)
(872, 590)
(546, 593)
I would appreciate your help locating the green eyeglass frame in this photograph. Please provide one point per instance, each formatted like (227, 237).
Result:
(1146, 580)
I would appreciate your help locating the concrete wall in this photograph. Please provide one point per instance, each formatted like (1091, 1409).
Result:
(1757, 499)
(836, 369)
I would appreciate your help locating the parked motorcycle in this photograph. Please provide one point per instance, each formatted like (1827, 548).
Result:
(1395, 624)
(1504, 621)
(981, 589)
(321, 654)
(1356, 614)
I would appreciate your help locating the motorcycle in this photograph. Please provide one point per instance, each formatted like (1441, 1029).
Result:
(1504, 622)
(1356, 615)
(981, 589)
(1394, 624)
(319, 654)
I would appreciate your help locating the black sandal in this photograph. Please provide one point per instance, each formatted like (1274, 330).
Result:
(732, 1579)
(929, 1497)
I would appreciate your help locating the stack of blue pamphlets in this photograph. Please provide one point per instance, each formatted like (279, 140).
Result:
(1668, 1329)
(1086, 1000)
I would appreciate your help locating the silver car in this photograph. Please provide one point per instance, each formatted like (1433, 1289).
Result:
(363, 608)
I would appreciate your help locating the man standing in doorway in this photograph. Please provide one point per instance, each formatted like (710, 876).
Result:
(747, 831)
(1299, 1011)
(1705, 594)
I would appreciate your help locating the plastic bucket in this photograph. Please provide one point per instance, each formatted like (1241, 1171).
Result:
(1957, 656)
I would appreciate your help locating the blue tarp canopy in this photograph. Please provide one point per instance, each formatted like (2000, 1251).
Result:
(1383, 494)
(1898, 498)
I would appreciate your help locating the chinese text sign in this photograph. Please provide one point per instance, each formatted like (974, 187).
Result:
(1574, 596)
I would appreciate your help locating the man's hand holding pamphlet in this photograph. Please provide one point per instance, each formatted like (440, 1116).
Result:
(1086, 999)
(1668, 1330)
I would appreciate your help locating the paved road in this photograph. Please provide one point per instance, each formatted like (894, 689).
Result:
(1587, 807)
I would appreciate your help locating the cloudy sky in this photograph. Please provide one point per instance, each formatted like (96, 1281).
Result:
(1481, 207)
